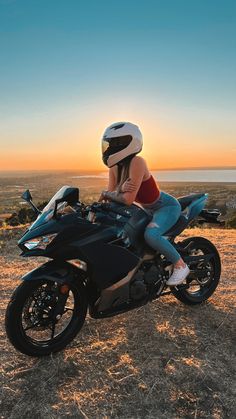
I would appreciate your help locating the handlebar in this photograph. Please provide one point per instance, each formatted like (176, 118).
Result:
(120, 209)
(105, 206)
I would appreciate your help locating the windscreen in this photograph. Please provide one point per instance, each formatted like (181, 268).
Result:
(47, 212)
(58, 195)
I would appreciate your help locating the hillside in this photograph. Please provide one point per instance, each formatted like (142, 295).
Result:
(164, 360)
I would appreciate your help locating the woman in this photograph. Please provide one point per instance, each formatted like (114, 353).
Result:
(130, 180)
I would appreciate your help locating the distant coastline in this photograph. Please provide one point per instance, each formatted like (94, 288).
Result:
(200, 176)
(94, 171)
(174, 175)
(100, 170)
(196, 168)
(219, 184)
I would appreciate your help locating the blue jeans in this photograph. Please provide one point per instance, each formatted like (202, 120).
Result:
(165, 211)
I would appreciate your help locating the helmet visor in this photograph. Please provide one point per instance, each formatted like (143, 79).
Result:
(113, 145)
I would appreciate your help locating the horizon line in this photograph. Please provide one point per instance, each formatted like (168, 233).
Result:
(101, 170)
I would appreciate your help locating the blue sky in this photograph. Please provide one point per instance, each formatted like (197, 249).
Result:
(67, 62)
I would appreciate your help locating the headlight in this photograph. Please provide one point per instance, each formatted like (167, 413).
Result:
(40, 242)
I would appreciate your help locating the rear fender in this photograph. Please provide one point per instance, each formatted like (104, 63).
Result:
(55, 271)
(210, 216)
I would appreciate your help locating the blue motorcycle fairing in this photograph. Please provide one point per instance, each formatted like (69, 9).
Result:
(195, 207)
(191, 206)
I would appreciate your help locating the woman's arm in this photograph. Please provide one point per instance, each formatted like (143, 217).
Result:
(112, 183)
(137, 171)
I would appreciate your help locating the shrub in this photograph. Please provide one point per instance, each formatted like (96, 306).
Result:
(231, 222)
(24, 215)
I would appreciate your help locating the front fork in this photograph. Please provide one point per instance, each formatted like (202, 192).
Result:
(62, 295)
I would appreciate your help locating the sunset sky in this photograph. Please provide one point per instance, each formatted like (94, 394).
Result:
(70, 68)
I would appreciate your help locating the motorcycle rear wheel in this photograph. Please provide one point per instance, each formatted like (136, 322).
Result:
(205, 287)
(29, 317)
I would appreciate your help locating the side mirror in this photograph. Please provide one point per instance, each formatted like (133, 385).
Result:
(27, 196)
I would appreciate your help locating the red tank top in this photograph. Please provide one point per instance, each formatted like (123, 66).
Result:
(148, 191)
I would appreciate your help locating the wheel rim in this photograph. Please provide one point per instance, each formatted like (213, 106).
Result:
(39, 323)
(202, 275)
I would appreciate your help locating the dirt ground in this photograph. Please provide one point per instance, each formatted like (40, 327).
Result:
(164, 360)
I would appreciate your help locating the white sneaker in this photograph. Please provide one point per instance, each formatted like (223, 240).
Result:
(178, 276)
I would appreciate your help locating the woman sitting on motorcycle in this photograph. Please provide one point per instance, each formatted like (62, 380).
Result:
(130, 180)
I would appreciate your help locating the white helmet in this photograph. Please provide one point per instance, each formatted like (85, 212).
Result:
(120, 140)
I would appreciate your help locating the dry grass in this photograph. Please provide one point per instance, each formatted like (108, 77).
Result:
(164, 360)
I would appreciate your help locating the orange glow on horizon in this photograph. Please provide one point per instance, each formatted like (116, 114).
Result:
(168, 144)
(84, 162)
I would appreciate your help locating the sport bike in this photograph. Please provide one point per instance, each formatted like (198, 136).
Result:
(99, 262)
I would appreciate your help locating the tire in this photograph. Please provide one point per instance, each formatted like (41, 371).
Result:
(198, 297)
(14, 319)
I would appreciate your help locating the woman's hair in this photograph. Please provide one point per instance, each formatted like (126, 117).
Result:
(123, 171)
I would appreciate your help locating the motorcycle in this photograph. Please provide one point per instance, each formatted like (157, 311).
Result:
(99, 261)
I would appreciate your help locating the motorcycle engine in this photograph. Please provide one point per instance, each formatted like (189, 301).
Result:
(138, 288)
(145, 280)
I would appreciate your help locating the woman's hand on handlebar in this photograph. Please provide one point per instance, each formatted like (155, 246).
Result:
(103, 197)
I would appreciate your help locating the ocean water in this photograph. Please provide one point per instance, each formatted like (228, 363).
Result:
(195, 175)
(183, 175)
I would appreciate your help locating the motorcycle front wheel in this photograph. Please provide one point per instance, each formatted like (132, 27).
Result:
(35, 326)
(204, 276)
